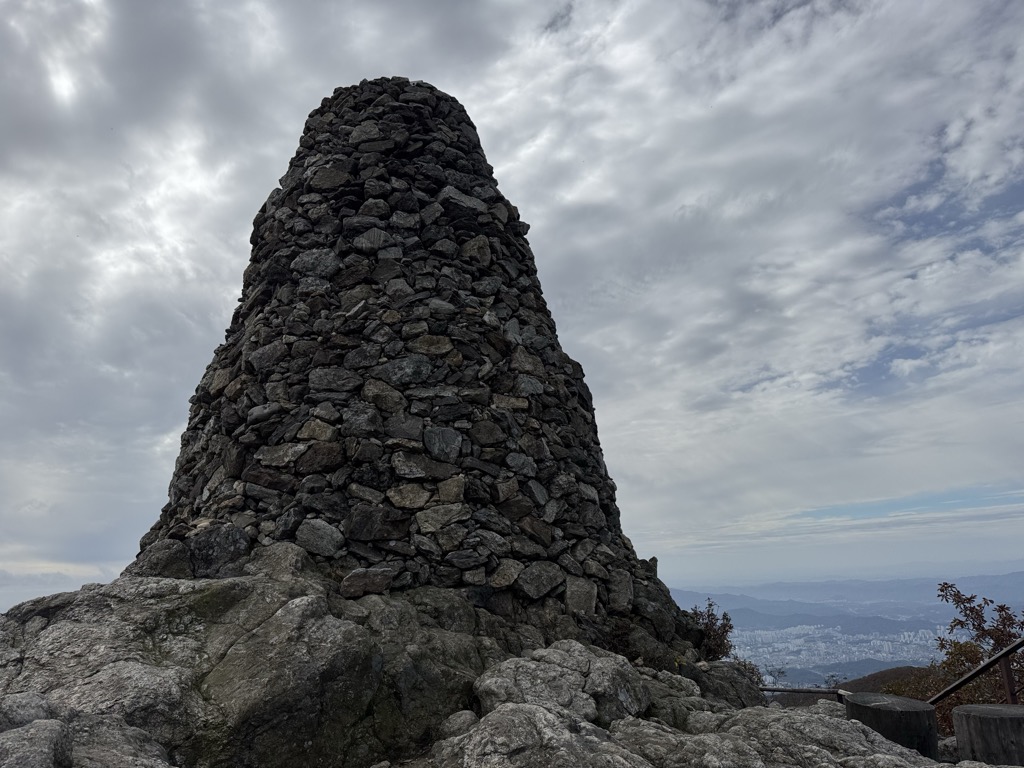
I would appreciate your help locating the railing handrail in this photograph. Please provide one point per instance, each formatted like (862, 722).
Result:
(979, 670)
(839, 693)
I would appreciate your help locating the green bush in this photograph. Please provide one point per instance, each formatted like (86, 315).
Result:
(981, 630)
(717, 629)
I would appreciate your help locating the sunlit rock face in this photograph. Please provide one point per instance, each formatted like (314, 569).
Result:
(392, 396)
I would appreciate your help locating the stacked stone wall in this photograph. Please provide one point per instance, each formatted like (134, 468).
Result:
(391, 394)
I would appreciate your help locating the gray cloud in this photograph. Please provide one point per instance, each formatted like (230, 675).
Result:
(785, 240)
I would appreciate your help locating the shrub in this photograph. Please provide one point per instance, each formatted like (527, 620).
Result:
(981, 629)
(717, 629)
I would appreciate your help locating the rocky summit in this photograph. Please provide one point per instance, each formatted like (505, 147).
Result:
(392, 396)
(391, 538)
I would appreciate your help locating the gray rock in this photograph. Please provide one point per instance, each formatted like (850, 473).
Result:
(673, 698)
(280, 455)
(18, 709)
(537, 579)
(728, 682)
(366, 581)
(404, 426)
(365, 131)
(248, 670)
(215, 550)
(620, 590)
(39, 744)
(383, 396)
(532, 736)
(487, 433)
(434, 519)
(441, 308)
(521, 463)
(617, 688)
(409, 496)
(260, 413)
(466, 560)
(260, 669)
(103, 741)
(326, 178)
(361, 420)
(451, 490)
(430, 345)
(452, 195)
(492, 542)
(477, 250)
(368, 522)
(321, 262)
(319, 537)
(949, 752)
(164, 557)
(506, 573)
(321, 457)
(458, 723)
(443, 443)
(488, 286)
(267, 356)
(580, 595)
(593, 685)
(543, 710)
(334, 380)
(400, 373)
(314, 429)
(524, 362)
(415, 466)
(373, 240)
(524, 681)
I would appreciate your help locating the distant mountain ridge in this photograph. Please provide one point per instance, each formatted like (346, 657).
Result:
(749, 613)
(905, 600)
(745, 618)
(814, 630)
(1007, 587)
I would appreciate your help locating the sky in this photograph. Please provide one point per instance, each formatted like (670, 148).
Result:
(785, 238)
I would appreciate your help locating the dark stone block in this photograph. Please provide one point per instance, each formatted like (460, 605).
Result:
(373, 523)
(216, 548)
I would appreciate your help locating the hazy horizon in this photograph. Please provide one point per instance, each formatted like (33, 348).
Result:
(15, 589)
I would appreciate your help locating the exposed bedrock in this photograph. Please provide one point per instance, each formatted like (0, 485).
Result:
(270, 669)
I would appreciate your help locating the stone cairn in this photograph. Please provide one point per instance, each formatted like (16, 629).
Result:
(392, 396)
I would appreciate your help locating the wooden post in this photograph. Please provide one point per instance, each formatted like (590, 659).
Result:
(906, 721)
(990, 733)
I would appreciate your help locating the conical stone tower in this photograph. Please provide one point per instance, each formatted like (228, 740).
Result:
(392, 395)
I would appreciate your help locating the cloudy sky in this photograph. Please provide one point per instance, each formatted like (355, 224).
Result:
(784, 237)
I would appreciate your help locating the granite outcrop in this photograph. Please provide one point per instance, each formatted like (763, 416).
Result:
(273, 669)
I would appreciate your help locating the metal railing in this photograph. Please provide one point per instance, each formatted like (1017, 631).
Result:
(1002, 659)
(837, 692)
